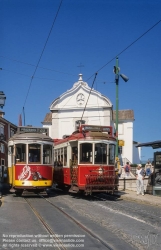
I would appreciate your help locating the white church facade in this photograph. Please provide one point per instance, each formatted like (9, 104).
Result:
(86, 104)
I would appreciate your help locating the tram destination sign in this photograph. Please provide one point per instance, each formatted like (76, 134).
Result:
(33, 130)
(96, 128)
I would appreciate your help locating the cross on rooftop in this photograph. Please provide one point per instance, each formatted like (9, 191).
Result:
(80, 66)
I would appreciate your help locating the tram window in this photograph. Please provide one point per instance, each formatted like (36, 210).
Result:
(74, 155)
(55, 158)
(34, 153)
(65, 156)
(100, 153)
(47, 154)
(111, 154)
(86, 153)
(61, 156)
(20, 153)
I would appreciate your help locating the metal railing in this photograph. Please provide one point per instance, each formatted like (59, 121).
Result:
(124, 160)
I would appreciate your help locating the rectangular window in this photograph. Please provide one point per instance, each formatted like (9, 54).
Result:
(55, 157)
(20, 153)
(58, 157)
(65, 156)
(100, 153)
(111, 154)
(74, 155)
(61, 156)
(2, 148)
(1, 129)
(12, 132)
(86, 153)
(47, 154)
(34, 153)
(2, 162)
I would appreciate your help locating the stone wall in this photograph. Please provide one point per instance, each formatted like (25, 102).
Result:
(129, 183)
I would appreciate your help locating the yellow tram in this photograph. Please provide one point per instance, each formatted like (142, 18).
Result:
(30, 161)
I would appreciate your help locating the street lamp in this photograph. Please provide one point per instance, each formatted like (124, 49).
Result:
(125, 78)
(2, 99)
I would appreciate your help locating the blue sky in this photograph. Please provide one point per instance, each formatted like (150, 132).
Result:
(90, 32)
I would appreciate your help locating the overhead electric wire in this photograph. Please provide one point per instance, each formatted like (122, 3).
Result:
(111, 61)
(42, 52)
(89, 94)
(92, 74)
(115, 58)
(126, 48)
(43, 78)
(40, 67)
(97, 70)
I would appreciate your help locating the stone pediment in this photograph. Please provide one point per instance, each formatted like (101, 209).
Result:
(77, 96)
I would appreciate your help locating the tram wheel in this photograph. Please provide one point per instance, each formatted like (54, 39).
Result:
(81, 192)
(48, 191)
(18, 192)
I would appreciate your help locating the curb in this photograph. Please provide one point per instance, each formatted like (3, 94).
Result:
(154, 203)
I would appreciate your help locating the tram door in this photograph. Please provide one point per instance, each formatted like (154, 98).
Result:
(157, 174)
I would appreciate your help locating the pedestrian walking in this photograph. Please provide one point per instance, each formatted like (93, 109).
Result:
(140, 173)
(148, 168)
(127, 169)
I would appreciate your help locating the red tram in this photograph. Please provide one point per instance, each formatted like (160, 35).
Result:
(85, 160)
(30, 161)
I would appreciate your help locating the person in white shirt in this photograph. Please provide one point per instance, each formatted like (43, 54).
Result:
(140, 173)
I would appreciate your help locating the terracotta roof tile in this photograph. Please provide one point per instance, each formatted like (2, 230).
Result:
(48, 118)
(124, 114)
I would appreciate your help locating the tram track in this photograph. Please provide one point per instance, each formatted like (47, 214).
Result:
(120, 208)
(136, 214)
(79, 224)
(75, 221)
(116, 231)
(47, 227)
